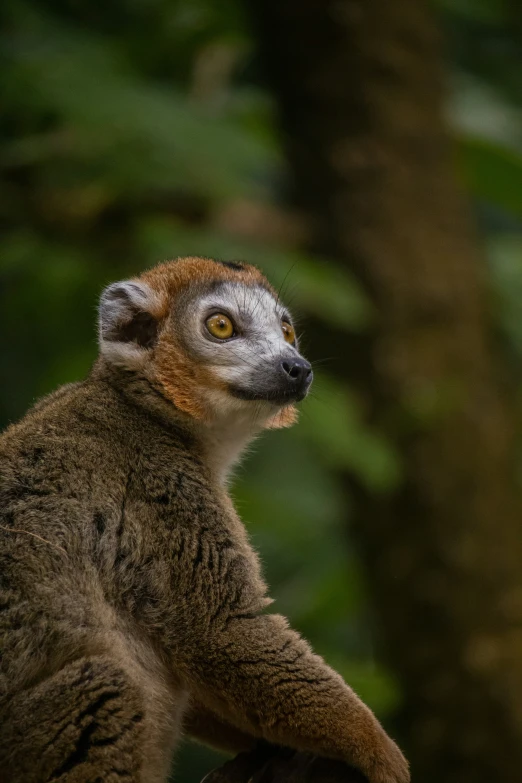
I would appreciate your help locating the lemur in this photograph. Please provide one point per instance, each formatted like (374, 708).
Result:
(132, 606)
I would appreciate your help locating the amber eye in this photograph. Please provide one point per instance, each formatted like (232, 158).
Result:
(288, 332)
(220, 326)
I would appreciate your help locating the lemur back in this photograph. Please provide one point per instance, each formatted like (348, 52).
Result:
(131, 602)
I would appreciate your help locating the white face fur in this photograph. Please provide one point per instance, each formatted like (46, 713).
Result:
(260, 362)
(259, 367)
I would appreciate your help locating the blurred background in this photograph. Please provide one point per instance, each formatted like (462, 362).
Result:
(367, 155)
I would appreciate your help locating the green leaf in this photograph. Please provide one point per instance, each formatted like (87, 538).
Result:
(332, 420)
(484, 11)
(505, 257)
(375, 685)
(132, 133)
(492, 172)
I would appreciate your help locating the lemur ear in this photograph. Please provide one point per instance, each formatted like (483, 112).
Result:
(128, 326)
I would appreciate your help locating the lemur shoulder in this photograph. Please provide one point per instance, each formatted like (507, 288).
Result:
(132, 606)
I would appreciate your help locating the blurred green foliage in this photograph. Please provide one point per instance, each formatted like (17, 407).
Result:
(127, 131)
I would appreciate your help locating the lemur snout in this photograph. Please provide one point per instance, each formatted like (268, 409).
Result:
(282, 382)
(297, 374)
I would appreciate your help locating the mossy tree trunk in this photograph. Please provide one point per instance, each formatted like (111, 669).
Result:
(359, 89)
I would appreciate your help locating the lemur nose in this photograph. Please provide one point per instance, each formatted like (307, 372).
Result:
(298, 370)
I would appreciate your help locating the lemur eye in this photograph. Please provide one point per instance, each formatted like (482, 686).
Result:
(288, 332)
(220, 326)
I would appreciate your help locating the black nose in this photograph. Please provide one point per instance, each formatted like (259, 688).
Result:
(297, 371)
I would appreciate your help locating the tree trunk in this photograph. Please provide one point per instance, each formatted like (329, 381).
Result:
(358, 85)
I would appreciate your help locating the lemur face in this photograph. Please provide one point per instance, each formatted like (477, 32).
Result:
(213, 336)
(246, 339)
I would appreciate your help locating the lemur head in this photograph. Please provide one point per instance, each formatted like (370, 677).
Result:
(211, 336)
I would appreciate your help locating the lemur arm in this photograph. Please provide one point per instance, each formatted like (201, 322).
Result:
(262, 676)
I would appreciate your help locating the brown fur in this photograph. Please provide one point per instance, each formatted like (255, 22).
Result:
(131, 602)
(181, 379)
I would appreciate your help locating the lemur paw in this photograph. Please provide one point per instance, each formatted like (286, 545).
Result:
(388, 764)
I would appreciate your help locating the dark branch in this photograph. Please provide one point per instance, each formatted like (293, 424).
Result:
(267, 764)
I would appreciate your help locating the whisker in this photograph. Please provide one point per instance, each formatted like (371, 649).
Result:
(278, 295)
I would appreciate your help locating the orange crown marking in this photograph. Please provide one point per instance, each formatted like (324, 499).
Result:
(169, 278)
